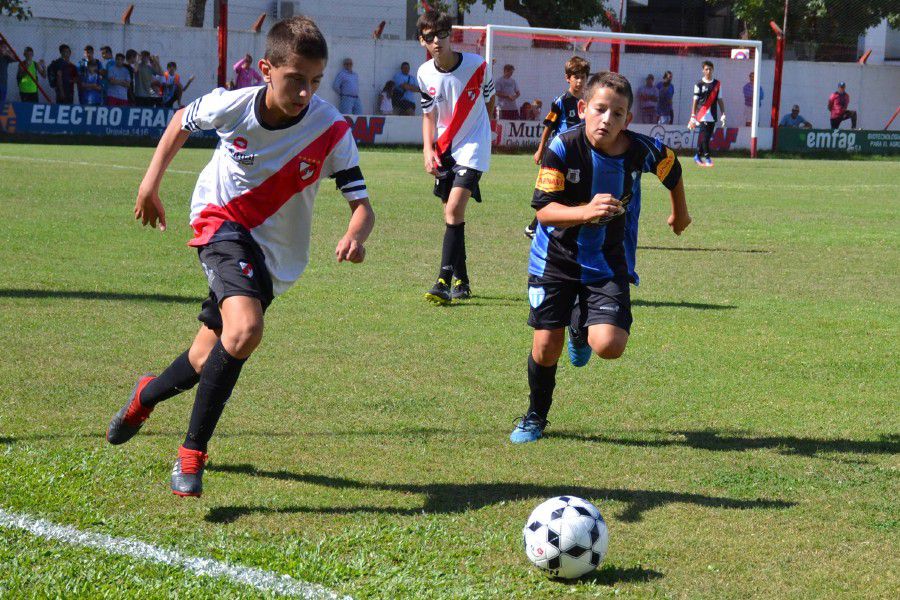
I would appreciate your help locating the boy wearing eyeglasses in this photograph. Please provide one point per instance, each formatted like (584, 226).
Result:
(457, 101)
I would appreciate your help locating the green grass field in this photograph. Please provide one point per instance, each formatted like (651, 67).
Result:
(746, 445)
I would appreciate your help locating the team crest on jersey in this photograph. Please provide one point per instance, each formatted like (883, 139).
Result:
(246, 268)
(472, 94)
(536, 296)
(573, 175)
(572, 113)
(308, 168)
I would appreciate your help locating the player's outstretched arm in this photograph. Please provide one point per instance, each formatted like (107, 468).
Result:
(148, 207)
(362, 219)
(679, 219)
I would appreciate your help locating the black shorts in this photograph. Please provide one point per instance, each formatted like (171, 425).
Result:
(552, 301)
(455, 176)
(233, 268)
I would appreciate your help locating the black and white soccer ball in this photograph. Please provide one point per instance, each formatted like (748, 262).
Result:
(566, 537)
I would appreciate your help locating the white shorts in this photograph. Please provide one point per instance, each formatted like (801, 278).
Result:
(748, 114)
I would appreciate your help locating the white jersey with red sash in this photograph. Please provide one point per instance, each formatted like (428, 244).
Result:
(706, 93)
(460, 96)
(266, 178)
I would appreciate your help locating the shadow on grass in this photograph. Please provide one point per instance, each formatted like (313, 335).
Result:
(447, 498)
(676, 249)
(610, 575)
(95, 295)
(516, 300)
(723, 441)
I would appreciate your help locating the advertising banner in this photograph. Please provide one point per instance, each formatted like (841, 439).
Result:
(838, 141)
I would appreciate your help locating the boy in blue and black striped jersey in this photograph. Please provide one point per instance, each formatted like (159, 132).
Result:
(588, 200)
(563, 114)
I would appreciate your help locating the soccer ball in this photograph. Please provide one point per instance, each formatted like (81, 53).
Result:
(566, 537)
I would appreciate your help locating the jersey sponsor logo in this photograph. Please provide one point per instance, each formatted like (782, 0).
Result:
(240, 143)
(550, 180)
(536, 296)
(573, 175)
(237, 154)
(246, 268)
(665, 165)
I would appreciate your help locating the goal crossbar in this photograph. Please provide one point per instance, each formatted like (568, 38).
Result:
(613, 37)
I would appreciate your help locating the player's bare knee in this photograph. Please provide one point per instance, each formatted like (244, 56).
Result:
(608, 344)
(241, 339)
(547, 347)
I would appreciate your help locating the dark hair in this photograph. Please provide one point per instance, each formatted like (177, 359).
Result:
(107, 48)
(64, 47)
(89, 47)
(389, 85)
(435, 21)
(577, 66)
(130, 53)
(171, 64)
(118, 54)
(608, 79)
(404, 63)
(29, 49)
(295, 36)
(707, 63)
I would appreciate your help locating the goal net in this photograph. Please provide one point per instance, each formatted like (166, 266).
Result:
(538, 57)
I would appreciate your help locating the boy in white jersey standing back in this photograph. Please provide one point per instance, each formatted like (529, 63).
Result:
(251, 214)
(457, 101)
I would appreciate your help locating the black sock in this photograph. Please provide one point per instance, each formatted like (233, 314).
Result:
(178, 377)
(448, 253)
(217, 380)
(459, 264)
(541, 380)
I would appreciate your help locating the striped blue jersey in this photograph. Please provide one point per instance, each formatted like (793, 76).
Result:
(563, 114)
(572, 172)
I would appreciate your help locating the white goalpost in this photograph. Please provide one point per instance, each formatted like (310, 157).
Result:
(538, 55)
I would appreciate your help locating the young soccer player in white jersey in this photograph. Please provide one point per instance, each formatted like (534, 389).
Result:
(705, 108)
(457, 100)
(251, 214)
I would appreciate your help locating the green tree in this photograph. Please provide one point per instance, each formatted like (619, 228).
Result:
(821, 21)
(15, 8)
(558, 14)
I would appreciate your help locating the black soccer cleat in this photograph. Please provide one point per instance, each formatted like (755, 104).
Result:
(439, 294)
(529, 231)
(130, 418)
(187, 474)
(460, 290)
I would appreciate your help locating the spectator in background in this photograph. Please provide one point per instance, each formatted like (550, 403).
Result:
(508, 91)
(82, 66)
(6, 57)
(27, 76)
(118, 80)
(537, 110)
(664, 104)
(794, 119)
(244, 73)
(346, 86)
(145, 76)
(648, 100)
(131, 62)
(837, 106)
(90, 92)
(406, 91)
(63, 75)
(106, 61)
(170, 81)
(525, 111)
(385, 103)
(748, 100)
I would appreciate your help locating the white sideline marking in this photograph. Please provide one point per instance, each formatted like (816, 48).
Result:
(93, 164)
(258, 578)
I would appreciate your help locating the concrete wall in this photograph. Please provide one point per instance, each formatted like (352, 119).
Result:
(874, 89)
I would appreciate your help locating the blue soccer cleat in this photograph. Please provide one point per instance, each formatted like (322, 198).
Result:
(707, 162)
(579, 350)
(698, 160)
(529, 428)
